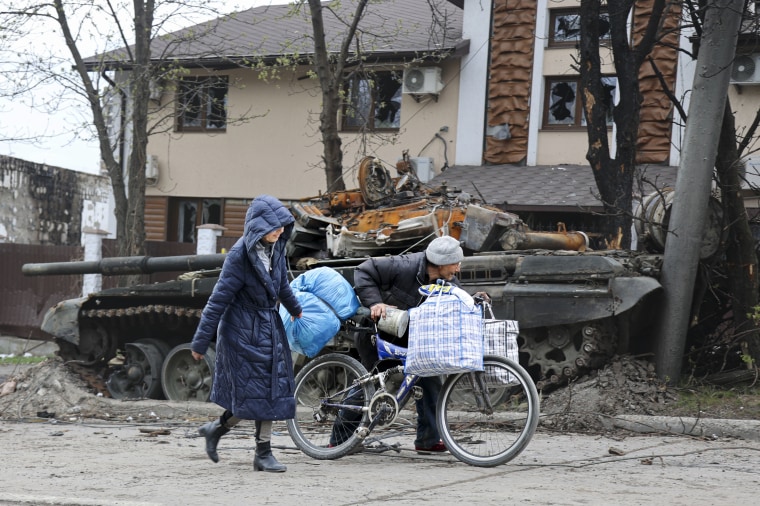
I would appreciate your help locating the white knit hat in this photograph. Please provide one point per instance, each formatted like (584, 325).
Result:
(444, 251)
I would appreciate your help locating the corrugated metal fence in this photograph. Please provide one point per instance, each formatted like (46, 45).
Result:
(24, 300)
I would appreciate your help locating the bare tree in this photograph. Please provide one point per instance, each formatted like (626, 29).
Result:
(738, 259)
(100, 25)
(614, 176)
(344, 37)
(330, 69)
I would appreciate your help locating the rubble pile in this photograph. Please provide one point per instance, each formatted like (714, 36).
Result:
(53, 390)
(626, 385)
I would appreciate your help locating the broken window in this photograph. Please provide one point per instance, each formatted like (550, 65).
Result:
(185, 215)
(563, 105)
(565, 27)
(202, 104)
(373, 101)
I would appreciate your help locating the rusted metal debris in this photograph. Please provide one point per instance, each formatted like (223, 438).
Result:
(389, 215)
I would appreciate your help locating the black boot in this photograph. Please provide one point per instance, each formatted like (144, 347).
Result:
(265, 461)
(213, 431)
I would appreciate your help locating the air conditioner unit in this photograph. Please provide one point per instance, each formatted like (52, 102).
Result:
(422, 81)
(746, 69)
(151, 170)
(751, 179)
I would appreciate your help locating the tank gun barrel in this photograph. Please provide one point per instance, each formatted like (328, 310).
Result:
(117, 266)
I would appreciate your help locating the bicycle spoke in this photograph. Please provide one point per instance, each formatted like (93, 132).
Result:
(483, 436)
(324, 425)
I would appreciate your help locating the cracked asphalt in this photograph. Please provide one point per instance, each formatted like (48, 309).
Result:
(164, 463)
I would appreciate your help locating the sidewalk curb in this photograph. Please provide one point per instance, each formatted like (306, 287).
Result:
(701, 427)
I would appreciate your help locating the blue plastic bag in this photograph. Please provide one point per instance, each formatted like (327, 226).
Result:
(331, 287)
(318, 324)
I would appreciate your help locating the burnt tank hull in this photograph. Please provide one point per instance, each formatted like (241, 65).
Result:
(575, 310)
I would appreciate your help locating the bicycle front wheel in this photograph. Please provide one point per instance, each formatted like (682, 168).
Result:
(330, 405)
(487, 418)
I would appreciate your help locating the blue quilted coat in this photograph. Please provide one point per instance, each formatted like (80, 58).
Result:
(253, 376)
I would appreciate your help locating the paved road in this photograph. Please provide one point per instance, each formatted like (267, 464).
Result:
(118, 464)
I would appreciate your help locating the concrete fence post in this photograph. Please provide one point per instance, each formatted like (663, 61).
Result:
(93, 251)
(207, 235)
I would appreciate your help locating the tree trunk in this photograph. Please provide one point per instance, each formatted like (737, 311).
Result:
(741, 259)
(106, 150)
(614, 177)
(329, 69)
(333, 154)
(330, 81)
(134, 243)
(130, 228)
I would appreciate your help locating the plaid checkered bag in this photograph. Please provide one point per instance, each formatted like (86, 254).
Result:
(500, 338)
(445, 333)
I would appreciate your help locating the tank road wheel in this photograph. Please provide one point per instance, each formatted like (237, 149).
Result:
(140, 376)
(563, 352)
(185, 379)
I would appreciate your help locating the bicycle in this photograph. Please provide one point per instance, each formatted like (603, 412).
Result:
(485, 418)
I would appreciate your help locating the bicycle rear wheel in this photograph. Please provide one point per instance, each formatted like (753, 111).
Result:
(321, 429)
(485, 437)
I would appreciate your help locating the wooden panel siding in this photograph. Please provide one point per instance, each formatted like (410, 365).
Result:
(512, 52)
(234, 217)
(656, 117)
(510, 78)
(156, 218)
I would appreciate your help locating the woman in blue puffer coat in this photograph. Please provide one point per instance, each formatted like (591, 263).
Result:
(253, 375)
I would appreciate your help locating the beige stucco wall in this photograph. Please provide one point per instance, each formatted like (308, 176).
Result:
(277, 148)
(565, 147)
(744, 100)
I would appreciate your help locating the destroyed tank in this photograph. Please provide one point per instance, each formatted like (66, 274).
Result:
(575, 307)
(575, 310)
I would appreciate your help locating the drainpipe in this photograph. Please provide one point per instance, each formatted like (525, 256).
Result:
(122, 118)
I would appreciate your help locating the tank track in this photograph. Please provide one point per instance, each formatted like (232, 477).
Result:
(558, 353)
(105, 331)
(564, 352)
(143, 312)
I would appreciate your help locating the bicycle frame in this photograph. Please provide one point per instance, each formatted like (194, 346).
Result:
(405, 390)
(484, 418)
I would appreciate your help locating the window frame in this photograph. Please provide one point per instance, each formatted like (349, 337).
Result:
(371, 123)
(203, 87)
(175, 214)
(579, 121)
(570, 41)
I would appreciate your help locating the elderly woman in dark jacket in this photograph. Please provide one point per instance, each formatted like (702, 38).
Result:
(253, 376)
